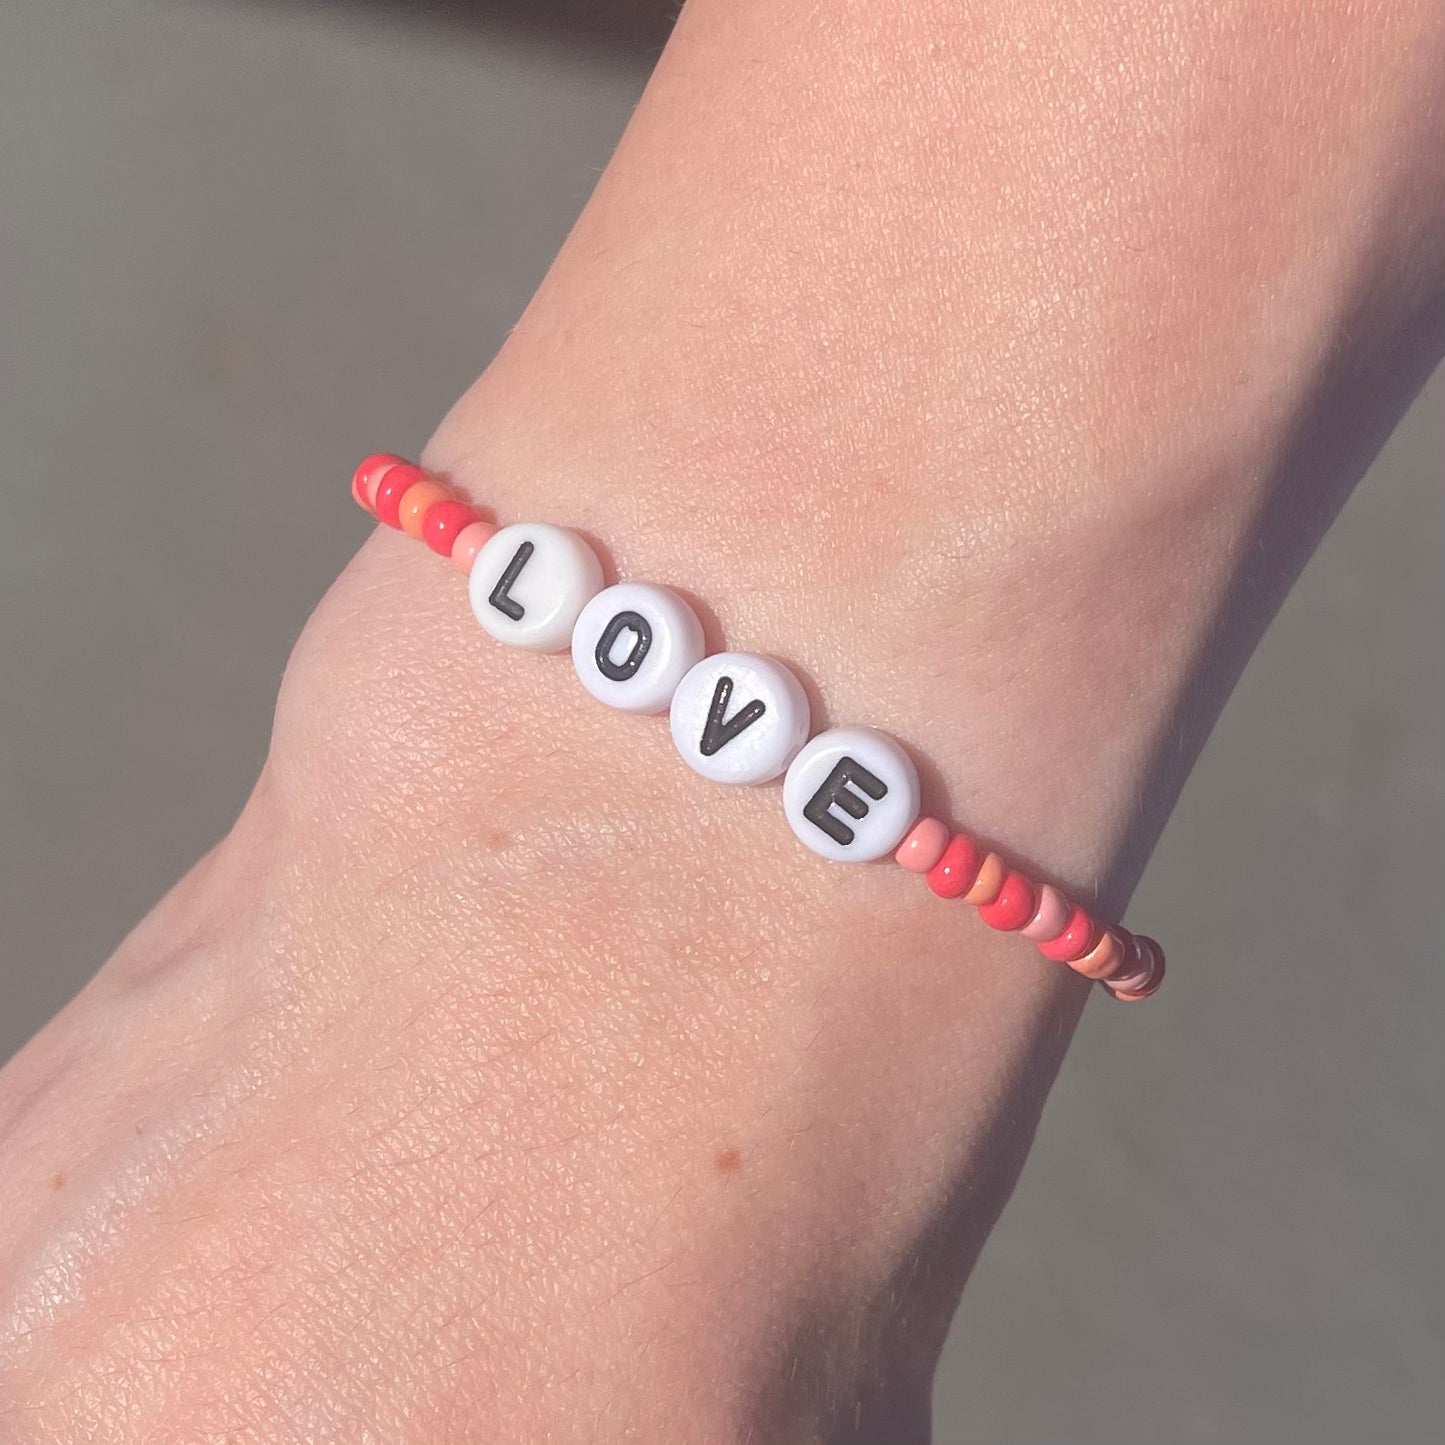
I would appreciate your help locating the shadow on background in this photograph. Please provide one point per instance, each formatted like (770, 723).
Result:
(636, 27)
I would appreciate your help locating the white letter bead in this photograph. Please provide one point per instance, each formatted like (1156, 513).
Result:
(633, 643)
(530, 582)
(738, 718)
(851, 794)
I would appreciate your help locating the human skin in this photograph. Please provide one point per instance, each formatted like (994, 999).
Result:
(497, 1078)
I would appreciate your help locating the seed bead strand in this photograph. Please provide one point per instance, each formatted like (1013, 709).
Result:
(955, 866)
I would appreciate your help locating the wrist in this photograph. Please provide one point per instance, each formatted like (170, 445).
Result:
(1028, 655)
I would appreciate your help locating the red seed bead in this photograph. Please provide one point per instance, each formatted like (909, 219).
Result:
(367, 475)
(393, 488)
(1013, 907)
(1080, 934)
(443, 523)
(952, 876)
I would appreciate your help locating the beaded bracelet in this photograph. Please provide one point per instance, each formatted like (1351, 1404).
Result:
(850, 793)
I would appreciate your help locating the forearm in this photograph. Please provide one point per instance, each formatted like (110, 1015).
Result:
(997, 375)
(988, 370)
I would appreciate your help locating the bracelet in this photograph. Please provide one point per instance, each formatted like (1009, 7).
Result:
(850, 793)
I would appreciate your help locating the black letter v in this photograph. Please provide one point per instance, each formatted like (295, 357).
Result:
(720, 729)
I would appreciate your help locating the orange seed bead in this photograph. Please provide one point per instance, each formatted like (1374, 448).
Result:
(417, 502)
(1104, 959)
(991, 873)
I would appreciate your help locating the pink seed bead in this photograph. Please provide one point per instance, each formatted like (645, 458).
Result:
(952, 876)
(368, 476)
(1134, 966)
(1156, 976)
(1080, 934)
(1013, 907)
(1143, 980)
(923, 846)
(1049, 917)
(1104, 959)
(470, 540)
(444, 523)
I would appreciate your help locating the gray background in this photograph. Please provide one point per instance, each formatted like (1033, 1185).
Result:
(241, 245)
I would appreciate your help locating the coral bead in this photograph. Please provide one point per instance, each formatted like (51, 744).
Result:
(952, 876)
(1013, 907)
(418, 501)
(1080, 934)
(368, 475)
(444, 523)
(470, 540)
(991, 873)
(1104, 959)
(392, 488)
(923, 847)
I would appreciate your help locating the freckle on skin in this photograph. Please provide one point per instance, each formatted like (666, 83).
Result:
(499, 840)
(729, 1161)
(57, 1181)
